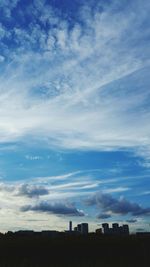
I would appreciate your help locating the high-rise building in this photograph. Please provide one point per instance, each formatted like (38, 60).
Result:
(105, 227)
(84, 228)
(125, 229)
(79, 227)
(70, 226)
(115, 225)
(116, 229)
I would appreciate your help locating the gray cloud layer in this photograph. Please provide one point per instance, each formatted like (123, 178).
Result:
(103, 216)
(108, 204)
(25, 189)
(132, 221)
(54, 208)
(32, 190)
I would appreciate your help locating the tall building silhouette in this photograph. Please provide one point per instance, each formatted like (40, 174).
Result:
(116, 229)
(84, 228)
(79, 228)
(70, 226)
(105, 227)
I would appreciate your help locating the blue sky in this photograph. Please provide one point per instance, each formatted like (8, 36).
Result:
(74, 113)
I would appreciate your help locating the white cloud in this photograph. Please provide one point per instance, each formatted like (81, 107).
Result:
(7, 6)
(49, 192)
(116, 190)
(35, 157)
(88, 89)
(68, 188)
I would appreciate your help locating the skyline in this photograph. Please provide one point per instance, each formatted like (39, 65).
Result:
(74, 113)
(81, 229)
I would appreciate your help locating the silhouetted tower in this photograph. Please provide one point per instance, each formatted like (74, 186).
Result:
(70, 226)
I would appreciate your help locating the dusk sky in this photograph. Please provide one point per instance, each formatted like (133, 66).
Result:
(74, 113)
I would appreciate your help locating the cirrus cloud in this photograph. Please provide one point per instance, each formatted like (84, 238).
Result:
(84, 87)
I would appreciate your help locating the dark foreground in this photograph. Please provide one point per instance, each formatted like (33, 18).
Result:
(90, 251)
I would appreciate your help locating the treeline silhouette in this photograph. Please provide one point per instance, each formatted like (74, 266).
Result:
(74, 251)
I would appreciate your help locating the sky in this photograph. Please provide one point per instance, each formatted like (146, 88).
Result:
(74, 113)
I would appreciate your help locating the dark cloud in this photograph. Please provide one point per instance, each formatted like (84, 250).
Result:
(32, 190)
(107, 203)
(103, 216)
(131, 221)
(54, 208)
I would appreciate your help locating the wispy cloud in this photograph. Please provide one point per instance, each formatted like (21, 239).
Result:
(74, 83)
(132, 220)
(115, 190)
(87, 88)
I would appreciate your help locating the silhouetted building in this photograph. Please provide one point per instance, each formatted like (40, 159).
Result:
(50, 233)
(84, 228)
(105, 227)
(125, 229)
(98, 231)
(79, 227)
(141, 234)
(116, 229)
(70, 226)
(25, 232)
(115, 225)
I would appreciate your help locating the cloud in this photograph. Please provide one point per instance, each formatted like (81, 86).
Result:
(7, 6)
(131, 221)
(35, 157)
(103, 216)
(69, 185)
(32, 190)
(24, 189)
(145, 193)
(84, 87)
(58, 208)
(115, 190)
(121, 206)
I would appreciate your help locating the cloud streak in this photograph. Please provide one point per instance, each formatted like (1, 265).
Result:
(75, 93)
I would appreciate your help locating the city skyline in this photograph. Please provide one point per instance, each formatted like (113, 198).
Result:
(74, 113)
(80, 229)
